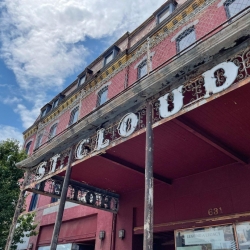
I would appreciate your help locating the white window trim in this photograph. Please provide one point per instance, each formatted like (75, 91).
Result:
(52, 124)
(173, 39)
(101, 87)
(70, 115)
(221, 3)
(38, 134)
(145, 58)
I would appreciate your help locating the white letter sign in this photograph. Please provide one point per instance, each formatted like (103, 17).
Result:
(53, 163)
(127, 124)
(100, 142)
(40, 171)
(231, 71)
(177, 101)
(80, 152)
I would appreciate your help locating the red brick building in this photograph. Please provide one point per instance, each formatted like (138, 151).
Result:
(188, 68)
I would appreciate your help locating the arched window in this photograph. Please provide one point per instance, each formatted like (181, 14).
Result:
(233, 7)
(102, 96)
(52, 131)
(39, 140)
(73, 115)
(27, 148)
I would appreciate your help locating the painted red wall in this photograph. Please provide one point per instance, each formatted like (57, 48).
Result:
(207, 20)
(187, 198)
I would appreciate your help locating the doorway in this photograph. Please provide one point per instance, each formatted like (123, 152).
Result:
(161, 241)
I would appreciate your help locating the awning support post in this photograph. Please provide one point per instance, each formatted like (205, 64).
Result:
(59, 216)
(18, 211)
(149, 183)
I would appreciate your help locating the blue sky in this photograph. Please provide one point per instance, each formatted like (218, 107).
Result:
(45, 44)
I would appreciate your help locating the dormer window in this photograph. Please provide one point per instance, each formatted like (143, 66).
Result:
(45, 110)
(82, 80)
(43, 113)
(110, 54)
(55, 103)
(165, 12)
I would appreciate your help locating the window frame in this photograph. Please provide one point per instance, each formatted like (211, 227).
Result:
(72, 116)
(226, 4)
(113, 51)
(181, 36)
(99, 95)
(55, 103)
(53, 200)
(28, 143)
(171, 6)
(140, 67)
(39, 140)
(54, 127)
(46, 110)
(33, 202)
(80, 79)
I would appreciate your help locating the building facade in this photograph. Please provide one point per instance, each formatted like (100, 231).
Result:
(187, 68)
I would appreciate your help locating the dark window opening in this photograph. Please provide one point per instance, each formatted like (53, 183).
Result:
(33, 202)
(53, 200)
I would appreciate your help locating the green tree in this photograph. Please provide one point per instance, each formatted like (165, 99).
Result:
(10, 153)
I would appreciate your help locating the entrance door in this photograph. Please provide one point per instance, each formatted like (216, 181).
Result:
(162, 241)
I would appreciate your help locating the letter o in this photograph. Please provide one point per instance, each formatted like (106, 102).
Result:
(40, 171)
(88, 198)
(127, 124)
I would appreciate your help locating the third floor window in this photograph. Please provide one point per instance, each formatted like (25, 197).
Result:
(52, 131)
(102, 96)
(74, 115)
(185, 39)
(233, 7)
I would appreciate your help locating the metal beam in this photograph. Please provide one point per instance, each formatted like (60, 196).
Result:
(18, 210)
(128, 165)
(149, 183)
(59, 215)
(210, 140)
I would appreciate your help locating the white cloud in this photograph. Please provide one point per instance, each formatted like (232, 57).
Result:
(8, 132)
(11, 100)
(40, 40)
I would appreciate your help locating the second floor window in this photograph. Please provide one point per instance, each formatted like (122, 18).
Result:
(185, 39)
(39, 140)
(73, 115)
(233, 7)
(27, 148)
(102, 96)
(142, 69)
(52, 131)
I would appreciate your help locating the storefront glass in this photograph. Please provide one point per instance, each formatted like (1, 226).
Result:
(243, 235)
(210, 238)
(59, 247)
